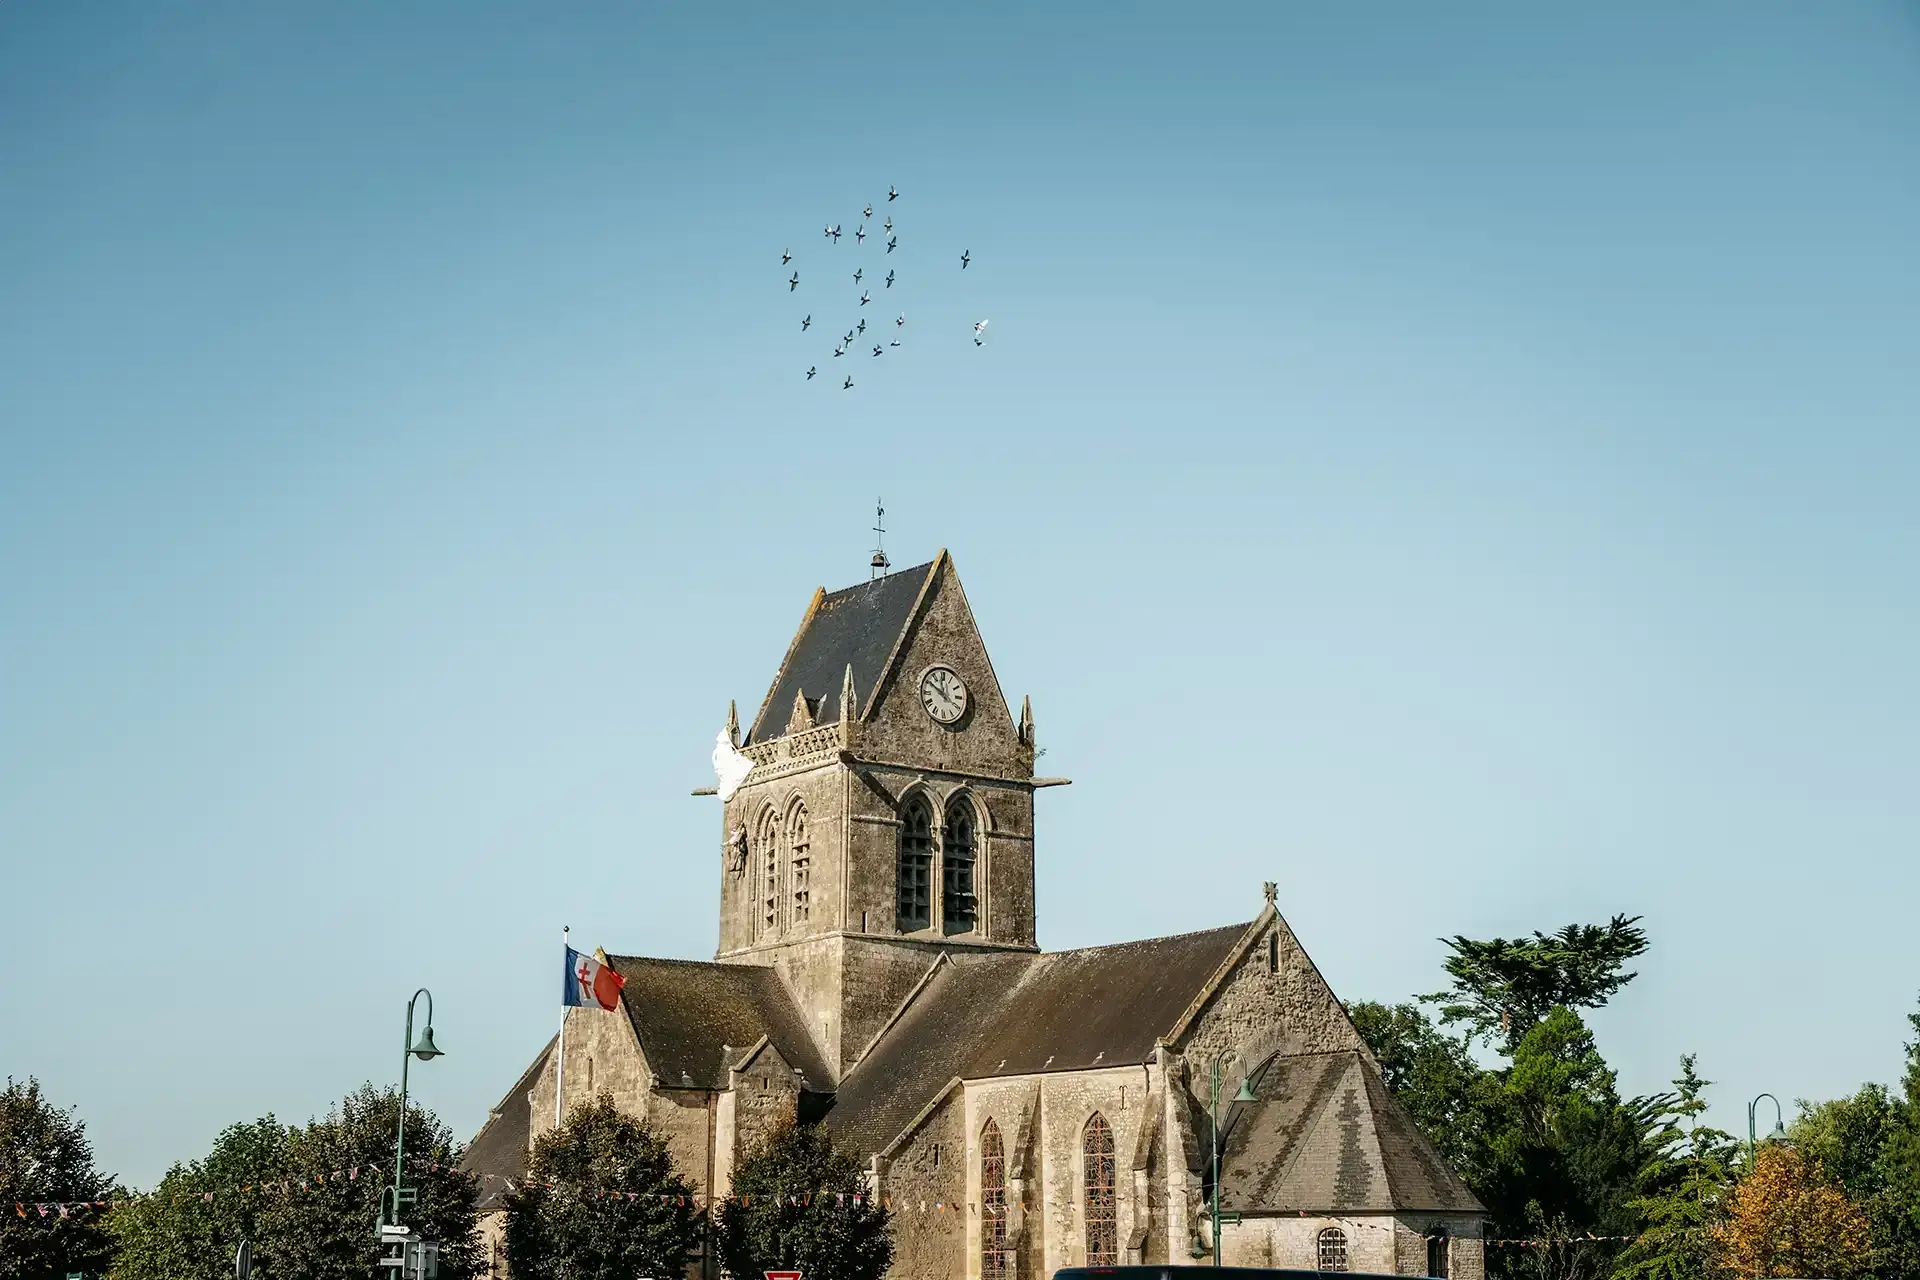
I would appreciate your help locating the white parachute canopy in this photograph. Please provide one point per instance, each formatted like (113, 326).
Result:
(980, 330)
(729, 766)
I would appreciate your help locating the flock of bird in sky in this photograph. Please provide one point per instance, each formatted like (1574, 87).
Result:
(845, 345)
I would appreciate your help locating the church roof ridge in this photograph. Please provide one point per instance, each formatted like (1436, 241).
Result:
(1147, 942)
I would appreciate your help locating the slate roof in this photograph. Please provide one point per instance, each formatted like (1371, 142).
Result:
(981, 1016)
(1325, 1136)
(858, 627)
(688, 1013)
(500, 1148)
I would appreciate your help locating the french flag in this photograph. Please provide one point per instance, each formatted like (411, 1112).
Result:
(590, 983)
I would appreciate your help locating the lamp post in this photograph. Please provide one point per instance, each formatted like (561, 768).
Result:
(1779, 1133)
(1213, 1114)
(426, 1051)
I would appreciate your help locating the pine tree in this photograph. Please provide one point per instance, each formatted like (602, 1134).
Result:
(1676, 1241)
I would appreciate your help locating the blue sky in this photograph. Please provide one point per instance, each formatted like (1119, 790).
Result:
(1457, 462)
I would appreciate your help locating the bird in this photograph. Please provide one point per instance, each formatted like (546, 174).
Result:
(811, 370)
(891, 242)
(889, 279)
(887, 226)
(840, 350)
(860, 234)
(965, 257)
(849, 338)
(827, 232)
(902, 320)
(793, 283)
(805, 321)
(786, 256)
(892, 194)
(847, 385)
(865, 298)
(867, 212)
(980, 328)
(862, 326)
(894, 343)
(876, 350)
(856, 275)
(835, 233)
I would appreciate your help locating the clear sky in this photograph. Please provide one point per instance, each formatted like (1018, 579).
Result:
(1458, 462)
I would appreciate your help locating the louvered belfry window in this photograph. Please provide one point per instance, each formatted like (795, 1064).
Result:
(956, 870)
(914, 909)
(1333, 1249)
(799, 862)
(996, 1260)
(1096, 1147)
(769, 876)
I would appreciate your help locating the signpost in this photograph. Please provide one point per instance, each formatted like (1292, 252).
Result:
(243, 1261)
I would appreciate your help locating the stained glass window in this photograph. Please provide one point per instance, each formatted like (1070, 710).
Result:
(1096, 1145)
(996, 1260)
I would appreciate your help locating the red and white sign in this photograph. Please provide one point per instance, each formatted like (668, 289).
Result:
(783, 1275)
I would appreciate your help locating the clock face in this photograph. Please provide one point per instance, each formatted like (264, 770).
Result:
(943, 694)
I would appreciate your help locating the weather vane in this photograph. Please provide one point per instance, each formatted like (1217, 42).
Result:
(879, 562)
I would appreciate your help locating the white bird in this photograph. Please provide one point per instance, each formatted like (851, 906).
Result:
(729, 766)
(980, 328)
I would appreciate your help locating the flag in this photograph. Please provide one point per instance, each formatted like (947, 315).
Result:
(588, 982)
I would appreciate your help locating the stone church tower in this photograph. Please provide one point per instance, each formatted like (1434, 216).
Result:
(889, 814)
(878, 972)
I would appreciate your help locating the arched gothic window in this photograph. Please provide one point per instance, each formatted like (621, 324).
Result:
(996, 1260)
(914, 910)
(799, 862)
(1437, 1253)
(956, 869)
(1096, 1149)
(769, 841)
(1333, 1249)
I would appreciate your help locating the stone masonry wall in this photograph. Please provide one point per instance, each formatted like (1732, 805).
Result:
(1274, 1000)
(602, 1057)
(926, 1184)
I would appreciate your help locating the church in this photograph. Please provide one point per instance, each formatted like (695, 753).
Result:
(879, 972)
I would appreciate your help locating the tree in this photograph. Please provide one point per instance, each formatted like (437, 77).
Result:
(800, 1205)
(617, 1207)
(1560, 1154)
(1509, 985)
(1676, 1241)
(203, 1209)
(1786, 1218)
(1429, 1071)
(45, 1160)
(1897, 1207)
(324, 1230)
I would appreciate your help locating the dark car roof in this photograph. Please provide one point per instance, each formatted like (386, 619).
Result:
(1186, 1271)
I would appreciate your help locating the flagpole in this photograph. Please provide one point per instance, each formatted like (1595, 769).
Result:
(560, 1074)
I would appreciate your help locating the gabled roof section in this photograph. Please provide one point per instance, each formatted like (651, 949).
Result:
(695, 1018)
(859, 627)
(499, 1150)
(1326, 1137)
(979, 1016)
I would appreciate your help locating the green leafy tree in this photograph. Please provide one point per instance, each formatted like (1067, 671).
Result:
(201, 1211)
(1785, 1218)
(1429, 1071)
(1561, 1154)
(325, 1229)
(1678, 1221)
(800, 1205)
(47, 1159)
(616, 1208)
(1896, 1209)
(1504, 987)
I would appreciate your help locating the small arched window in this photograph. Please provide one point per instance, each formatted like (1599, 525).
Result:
(996, 1260)
(956, 869)
(1096, 1150)
(799, 862)
(914, 909)
(1437, 1242)
(1333, 1249)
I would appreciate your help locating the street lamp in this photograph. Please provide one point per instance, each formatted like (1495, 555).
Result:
(425, 1050)
(1779, 1133)
(1213, 1114)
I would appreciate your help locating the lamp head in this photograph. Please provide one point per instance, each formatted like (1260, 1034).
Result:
(1246, 1091)
(1779, 1133)
(424, 1048)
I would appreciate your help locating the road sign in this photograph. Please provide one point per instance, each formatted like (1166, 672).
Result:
(243, 1261)
(783, 1275)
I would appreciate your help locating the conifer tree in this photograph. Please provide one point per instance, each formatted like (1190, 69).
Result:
(1677, 1240)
